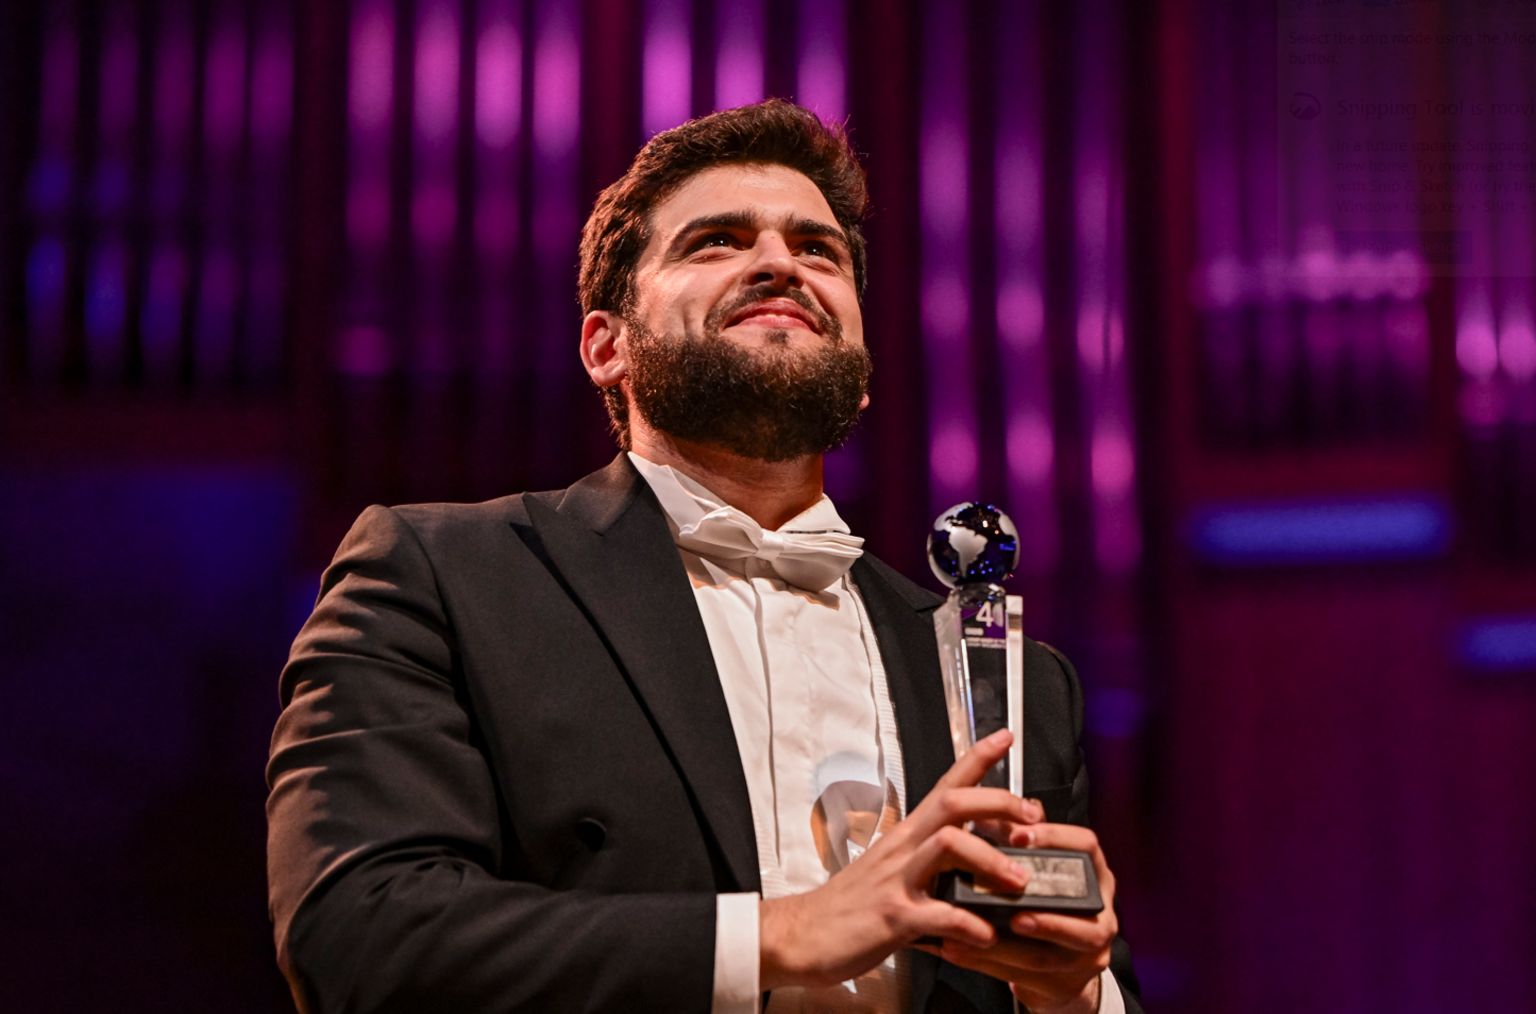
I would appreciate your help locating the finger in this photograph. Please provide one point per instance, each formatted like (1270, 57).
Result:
(958, 805)
(950, 848)
(1004, 831)
(1046, 835)
(1070, 931)
(982, 960)
(1037, 988)
(975, 762)
(977, 961)
(1077, 839)
(998, 832)
(1034, 956)
(934, 918)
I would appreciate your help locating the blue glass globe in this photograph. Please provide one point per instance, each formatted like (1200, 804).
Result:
(973, 543)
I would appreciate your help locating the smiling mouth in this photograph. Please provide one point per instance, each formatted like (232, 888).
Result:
(777, 313)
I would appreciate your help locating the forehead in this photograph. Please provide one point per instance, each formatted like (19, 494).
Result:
(770, 192)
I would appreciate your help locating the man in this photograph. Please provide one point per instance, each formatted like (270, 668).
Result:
(667, 740)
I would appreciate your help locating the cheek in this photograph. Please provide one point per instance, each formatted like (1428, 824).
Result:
(850, 315)
(679, 300)
(841, 297)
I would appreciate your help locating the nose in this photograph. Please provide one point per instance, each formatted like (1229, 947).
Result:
(772, 262)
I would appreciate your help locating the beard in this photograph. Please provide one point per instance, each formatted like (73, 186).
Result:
(770, 404)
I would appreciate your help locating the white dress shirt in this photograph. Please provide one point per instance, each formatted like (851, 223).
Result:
(812, 717)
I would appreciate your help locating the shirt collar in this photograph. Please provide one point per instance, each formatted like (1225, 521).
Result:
(685, 501)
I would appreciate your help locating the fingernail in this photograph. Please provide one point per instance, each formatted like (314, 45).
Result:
(1020, 871)
(997, 735)
(1029, 839)
(1025, 923)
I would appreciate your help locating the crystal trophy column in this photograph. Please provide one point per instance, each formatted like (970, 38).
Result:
(973, 548)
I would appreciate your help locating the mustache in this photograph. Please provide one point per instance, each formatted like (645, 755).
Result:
(825, 322)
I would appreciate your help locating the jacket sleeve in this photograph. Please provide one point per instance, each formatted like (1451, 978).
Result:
(391, 886)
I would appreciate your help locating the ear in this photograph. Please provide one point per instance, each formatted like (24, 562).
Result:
(604, 348)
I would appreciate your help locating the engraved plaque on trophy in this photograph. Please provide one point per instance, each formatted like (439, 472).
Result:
(973, 548)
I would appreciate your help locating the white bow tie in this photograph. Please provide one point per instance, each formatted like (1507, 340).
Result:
(810, 560)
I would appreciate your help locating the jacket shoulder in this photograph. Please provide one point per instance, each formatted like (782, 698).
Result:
(436, 529)
(441, 517)
(914, 593)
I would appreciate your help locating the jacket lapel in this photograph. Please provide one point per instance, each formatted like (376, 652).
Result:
(608, 539)
(902, 615)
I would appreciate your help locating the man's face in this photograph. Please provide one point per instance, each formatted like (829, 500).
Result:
(736, 227)
(745, 328)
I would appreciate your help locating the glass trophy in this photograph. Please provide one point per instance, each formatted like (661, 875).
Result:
(973, 548)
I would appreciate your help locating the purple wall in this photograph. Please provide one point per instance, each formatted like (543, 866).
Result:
(1229, 304)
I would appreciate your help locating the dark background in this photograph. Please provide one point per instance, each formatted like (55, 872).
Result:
(1231, 305)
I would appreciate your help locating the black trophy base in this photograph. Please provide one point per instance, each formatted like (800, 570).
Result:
(1060, 880)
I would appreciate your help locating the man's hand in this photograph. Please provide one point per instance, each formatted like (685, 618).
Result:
(1053, 961)
(880, 903)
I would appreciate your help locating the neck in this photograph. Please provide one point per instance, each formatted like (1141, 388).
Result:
(770, 492)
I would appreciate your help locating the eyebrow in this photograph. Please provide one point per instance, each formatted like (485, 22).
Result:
(742, 220)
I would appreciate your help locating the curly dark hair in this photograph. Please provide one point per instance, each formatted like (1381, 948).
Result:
(775, 132)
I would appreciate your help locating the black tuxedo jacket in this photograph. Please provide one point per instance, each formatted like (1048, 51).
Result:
(505, 778)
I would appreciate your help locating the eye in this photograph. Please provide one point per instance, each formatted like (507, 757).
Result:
(823, 250)
(715, 240)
